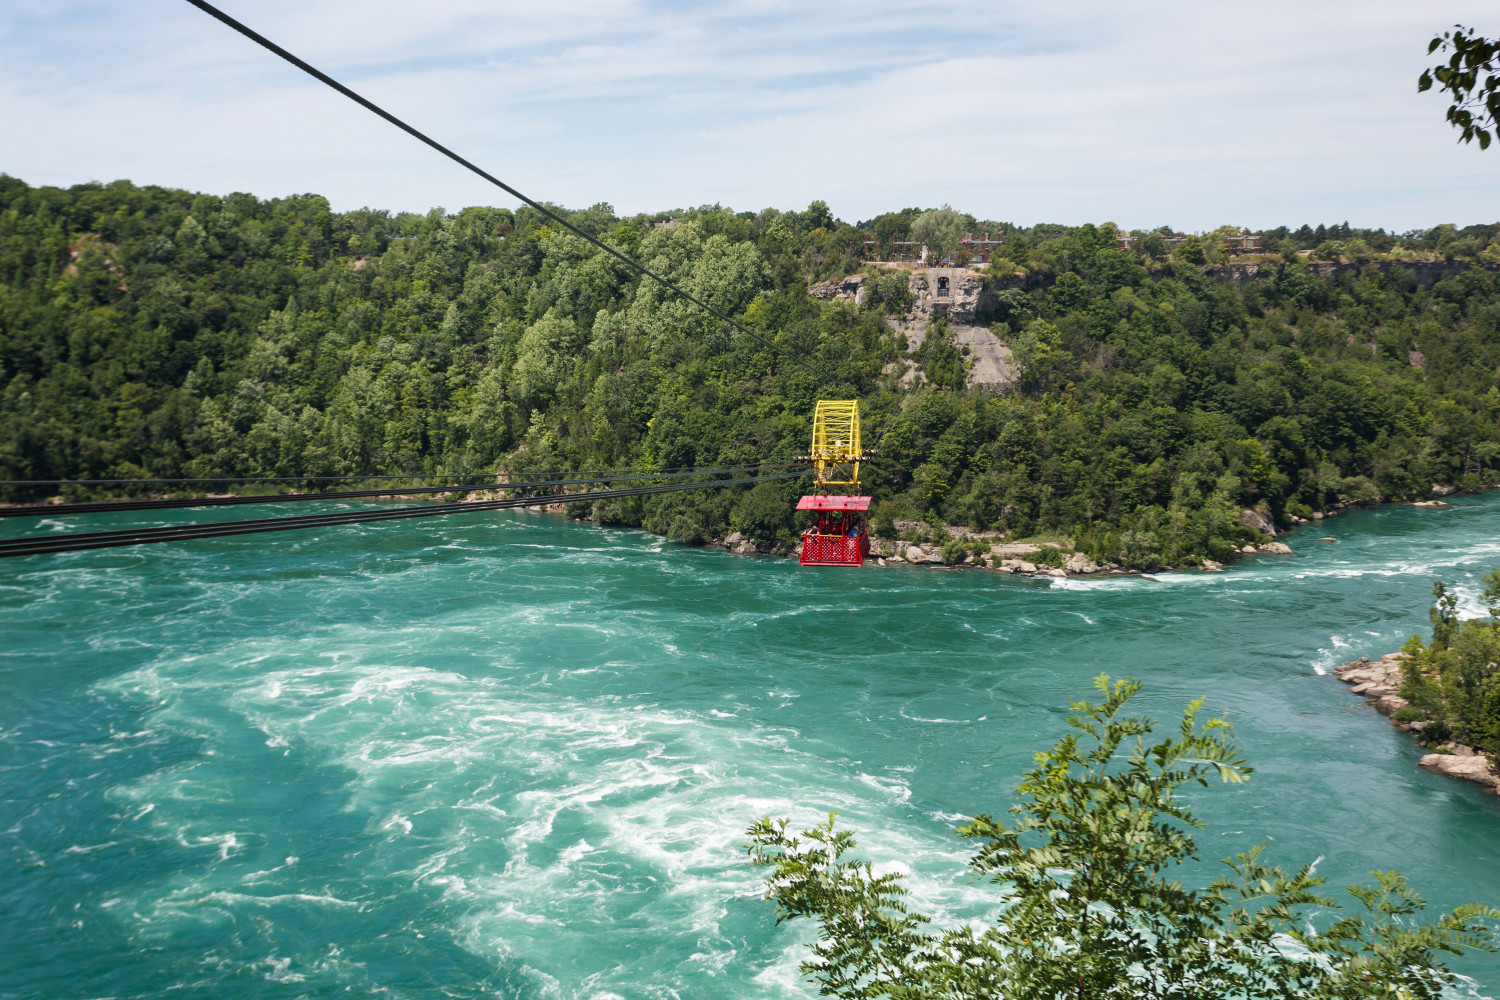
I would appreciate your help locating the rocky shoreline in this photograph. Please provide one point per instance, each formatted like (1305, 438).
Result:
(989, 551)
(1379, 681)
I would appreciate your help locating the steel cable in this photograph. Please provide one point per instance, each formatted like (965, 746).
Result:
(106, 506)
(631, 262)
(80, 541)
(597, 473)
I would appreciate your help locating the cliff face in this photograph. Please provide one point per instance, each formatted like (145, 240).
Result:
(850, 289)
(1427, 272)
(964, 297)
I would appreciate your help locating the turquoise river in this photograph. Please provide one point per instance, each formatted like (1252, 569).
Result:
(508, 755)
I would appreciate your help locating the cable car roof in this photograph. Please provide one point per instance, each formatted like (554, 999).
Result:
(823, 502)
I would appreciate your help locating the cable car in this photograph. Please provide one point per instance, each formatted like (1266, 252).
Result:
(840, 536)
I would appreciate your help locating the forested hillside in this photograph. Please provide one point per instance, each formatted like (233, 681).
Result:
(153, 332)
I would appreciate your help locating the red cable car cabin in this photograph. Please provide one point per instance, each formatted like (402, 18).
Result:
(840, 537)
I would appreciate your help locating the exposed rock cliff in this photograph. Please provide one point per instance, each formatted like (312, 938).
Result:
(850, 289)
(964, 297)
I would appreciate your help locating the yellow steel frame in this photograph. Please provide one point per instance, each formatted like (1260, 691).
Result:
(835, 444)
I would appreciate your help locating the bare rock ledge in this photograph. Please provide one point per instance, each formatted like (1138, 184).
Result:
(1380, 681)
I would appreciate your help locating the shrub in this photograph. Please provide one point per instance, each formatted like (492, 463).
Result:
(1455, 679)
(764, 515)
(1360, 489)
(1050, 555)
(1410, 713)
(1092, 904)
(687, 529)
(1329, 250)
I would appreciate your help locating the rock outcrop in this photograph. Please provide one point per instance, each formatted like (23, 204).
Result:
(740, 545)
(964, 298)
(1080, 563)
(1426, 272)
(1259, 521)
(992, 365)
(1380, 682)
(1463, 763)
(850, 289)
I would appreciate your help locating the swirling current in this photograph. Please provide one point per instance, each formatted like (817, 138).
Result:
(509, 755)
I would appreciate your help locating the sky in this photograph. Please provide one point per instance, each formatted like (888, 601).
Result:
(1187, 114)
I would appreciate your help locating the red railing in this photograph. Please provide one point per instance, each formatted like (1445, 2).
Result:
(834, 549)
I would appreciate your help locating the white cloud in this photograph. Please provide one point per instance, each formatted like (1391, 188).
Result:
(1188, 114)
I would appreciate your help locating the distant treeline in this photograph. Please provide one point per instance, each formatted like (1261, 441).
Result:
(154, 332)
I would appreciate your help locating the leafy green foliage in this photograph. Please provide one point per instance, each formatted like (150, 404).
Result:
(1470, 78)
(1090, 907)
(1454, 682)
(939, 229)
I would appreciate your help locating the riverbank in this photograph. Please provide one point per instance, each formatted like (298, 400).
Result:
(916, 542)
(963, 548)
(1379, 682)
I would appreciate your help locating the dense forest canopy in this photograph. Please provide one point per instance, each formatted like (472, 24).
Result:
(148, 332)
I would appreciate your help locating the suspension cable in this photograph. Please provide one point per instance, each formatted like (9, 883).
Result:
(80, 541)
(352, 477)
(631, 262)
(106, 506)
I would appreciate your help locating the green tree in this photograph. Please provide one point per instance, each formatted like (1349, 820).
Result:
(764, 515)
(545, 357)
(1093, 908)
(1192, 250)
(939, 230)
(1454, 682)
(1470, 80)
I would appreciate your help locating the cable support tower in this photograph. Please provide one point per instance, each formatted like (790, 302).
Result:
(629, 261)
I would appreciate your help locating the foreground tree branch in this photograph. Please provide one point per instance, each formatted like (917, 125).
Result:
(1093, 909)
(1470, 78)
